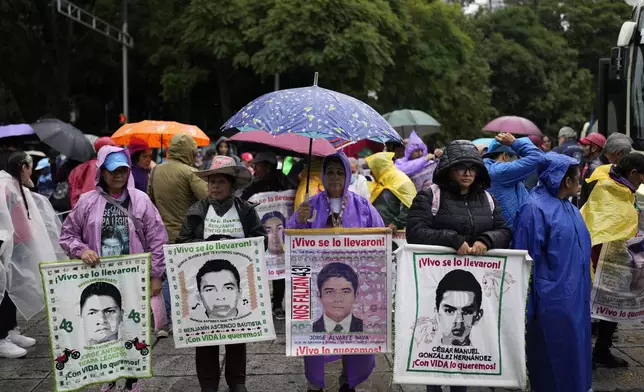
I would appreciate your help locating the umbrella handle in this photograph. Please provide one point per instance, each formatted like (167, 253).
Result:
(314, 213)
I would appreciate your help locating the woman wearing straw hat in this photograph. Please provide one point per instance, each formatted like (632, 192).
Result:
(204, 223)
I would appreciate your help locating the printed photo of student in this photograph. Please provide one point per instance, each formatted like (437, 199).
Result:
(113, 242)
(338, 290)
(218, 282)
(458, 307)
(102, 313)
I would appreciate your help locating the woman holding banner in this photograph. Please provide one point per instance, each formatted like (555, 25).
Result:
(457, 211)
(268, 179)
(336, 206)
(115, 219)
(204, 223)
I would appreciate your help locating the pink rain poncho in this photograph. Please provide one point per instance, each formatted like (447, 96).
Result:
(82, 228)
(27, 240)
(419, 170)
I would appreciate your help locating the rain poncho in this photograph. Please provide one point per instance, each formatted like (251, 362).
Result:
(357, 213)
(26, 242)
(558, 338)
(389, 178)
(507, 177)
(610, 212)
(82, 228)
(419, 170)
(315, 183)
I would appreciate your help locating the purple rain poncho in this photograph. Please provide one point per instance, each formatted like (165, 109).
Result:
(358, 213)
(419, 170)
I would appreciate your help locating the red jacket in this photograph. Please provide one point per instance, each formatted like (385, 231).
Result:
(81, 180)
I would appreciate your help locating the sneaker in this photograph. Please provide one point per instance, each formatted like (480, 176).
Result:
(111, 387)
(20, 340)
(10, 350)
(279, 314)
(162, 333)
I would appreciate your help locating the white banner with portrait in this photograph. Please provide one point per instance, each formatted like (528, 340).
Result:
(99, 320)
(274, 209)
(338, 291)
(219, 292)
(463, 318)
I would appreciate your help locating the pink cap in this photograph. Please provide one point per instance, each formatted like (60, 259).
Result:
(594, 138)
(246, 157)
(137, 145)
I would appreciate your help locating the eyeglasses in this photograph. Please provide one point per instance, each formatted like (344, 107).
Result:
(462, 169)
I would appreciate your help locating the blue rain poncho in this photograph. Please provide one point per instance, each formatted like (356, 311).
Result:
(558, 341)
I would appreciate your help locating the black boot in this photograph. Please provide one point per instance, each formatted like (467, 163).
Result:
(604, 357)
(345, 388)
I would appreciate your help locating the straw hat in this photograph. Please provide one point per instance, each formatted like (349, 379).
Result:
(222, 164)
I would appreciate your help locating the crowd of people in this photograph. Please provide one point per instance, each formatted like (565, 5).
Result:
(521, 193)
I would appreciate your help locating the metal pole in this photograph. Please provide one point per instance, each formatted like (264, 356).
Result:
(276, 82)
(124, 51)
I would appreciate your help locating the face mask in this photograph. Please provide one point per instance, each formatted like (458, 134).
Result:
(354, 177)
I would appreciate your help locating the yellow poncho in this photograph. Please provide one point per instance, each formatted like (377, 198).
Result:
(609, 213)
(315, 183)
(388, 176)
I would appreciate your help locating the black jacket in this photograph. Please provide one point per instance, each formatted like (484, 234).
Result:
(357, 325)
(460, 217)
(193, 226)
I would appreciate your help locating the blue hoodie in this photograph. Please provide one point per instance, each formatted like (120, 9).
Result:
(558, 338)
(507, 177)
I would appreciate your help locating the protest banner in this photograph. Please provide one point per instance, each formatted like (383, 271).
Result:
(219, 292)
(618, 289)
(99, 320)
(338, 291)
(274, 209)
(463, 322)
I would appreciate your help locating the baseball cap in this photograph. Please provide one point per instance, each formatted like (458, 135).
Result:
(116, 160)
(43, 163)
(594, 138)
(268, 157)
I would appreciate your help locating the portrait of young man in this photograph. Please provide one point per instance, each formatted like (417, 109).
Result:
(102, 312)
(338, 290)
(458, 307)
(218, 282)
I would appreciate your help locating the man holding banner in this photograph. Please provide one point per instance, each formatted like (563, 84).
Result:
(337, 207)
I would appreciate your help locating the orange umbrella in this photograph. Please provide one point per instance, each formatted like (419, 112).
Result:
(158, 133)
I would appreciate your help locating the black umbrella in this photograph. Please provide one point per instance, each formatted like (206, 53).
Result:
(64, 138)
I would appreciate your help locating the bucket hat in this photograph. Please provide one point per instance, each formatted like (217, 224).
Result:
(222, 164)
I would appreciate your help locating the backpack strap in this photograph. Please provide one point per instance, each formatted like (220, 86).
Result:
(490, 201)
(436, 198)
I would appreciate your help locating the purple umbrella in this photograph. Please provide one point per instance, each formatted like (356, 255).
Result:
(513, 124)
(16, 130)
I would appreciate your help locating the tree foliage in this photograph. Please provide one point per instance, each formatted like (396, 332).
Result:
(198, 61)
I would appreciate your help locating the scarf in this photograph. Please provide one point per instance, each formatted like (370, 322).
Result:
(221, 207)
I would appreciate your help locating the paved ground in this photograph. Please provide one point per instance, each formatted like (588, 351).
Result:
(270, 370)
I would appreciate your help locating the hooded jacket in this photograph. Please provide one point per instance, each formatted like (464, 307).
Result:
(82, 228)
(460, 217)
(507, 177)
(174, 186)
(230, 150)
(357, 213)
(558, 338)
(419, 170)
